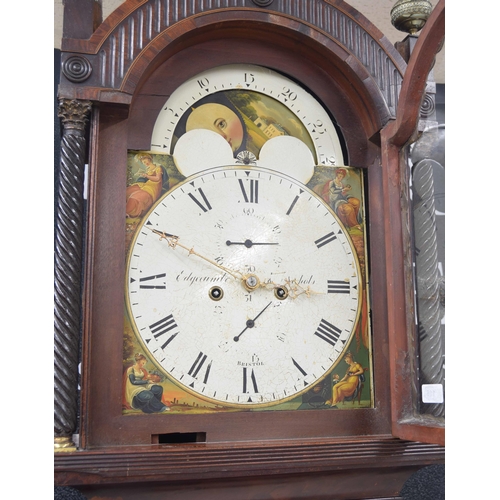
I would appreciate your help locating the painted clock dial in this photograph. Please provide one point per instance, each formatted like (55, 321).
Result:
(247, 105)
(243, 286)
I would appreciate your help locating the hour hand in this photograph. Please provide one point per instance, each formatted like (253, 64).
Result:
(290, 289)
(250, 324)
(295, 289)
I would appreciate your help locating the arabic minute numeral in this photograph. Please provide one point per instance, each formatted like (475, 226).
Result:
(204, 82)
(288, 94)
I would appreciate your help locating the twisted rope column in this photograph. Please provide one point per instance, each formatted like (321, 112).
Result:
(429, 283)
(68, 268)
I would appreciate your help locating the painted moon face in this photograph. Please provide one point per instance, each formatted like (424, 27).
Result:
(219, 119)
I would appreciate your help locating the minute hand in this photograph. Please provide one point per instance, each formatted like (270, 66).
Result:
(173, 241)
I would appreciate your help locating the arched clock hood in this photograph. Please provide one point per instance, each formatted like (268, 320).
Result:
(331, 42)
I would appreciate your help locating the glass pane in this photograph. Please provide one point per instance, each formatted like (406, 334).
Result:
(428, 211)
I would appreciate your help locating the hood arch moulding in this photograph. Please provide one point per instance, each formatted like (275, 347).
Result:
(140, 35)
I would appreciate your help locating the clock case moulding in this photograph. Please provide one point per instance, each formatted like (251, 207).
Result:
(139, 55)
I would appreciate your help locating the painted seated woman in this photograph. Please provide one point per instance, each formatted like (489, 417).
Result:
(148, 187)
(345, 205)
(346, 388)
(142, 392)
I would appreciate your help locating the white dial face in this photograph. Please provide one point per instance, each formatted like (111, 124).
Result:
(243, 286)
(307, 120)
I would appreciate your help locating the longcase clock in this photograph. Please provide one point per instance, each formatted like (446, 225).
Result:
(237, 263)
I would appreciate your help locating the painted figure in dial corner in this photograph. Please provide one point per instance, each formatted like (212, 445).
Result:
(142, 390)
(347, 388)
(346, 206)
(146, 187)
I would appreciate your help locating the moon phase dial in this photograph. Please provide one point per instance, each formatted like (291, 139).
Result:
(250, 107)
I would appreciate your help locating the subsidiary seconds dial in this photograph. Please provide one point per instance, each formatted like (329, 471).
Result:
(243, 286)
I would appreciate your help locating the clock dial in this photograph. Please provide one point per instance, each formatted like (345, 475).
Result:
(247, 105)
(243, 286)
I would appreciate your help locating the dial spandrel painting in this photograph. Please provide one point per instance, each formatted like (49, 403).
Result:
(246, 282)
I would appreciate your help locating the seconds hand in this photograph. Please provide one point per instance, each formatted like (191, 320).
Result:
(250, 323)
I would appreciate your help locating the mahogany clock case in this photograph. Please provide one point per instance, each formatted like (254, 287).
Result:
(352, 69)
(117, 129)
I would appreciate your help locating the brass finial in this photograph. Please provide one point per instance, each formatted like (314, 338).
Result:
(410, 15)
